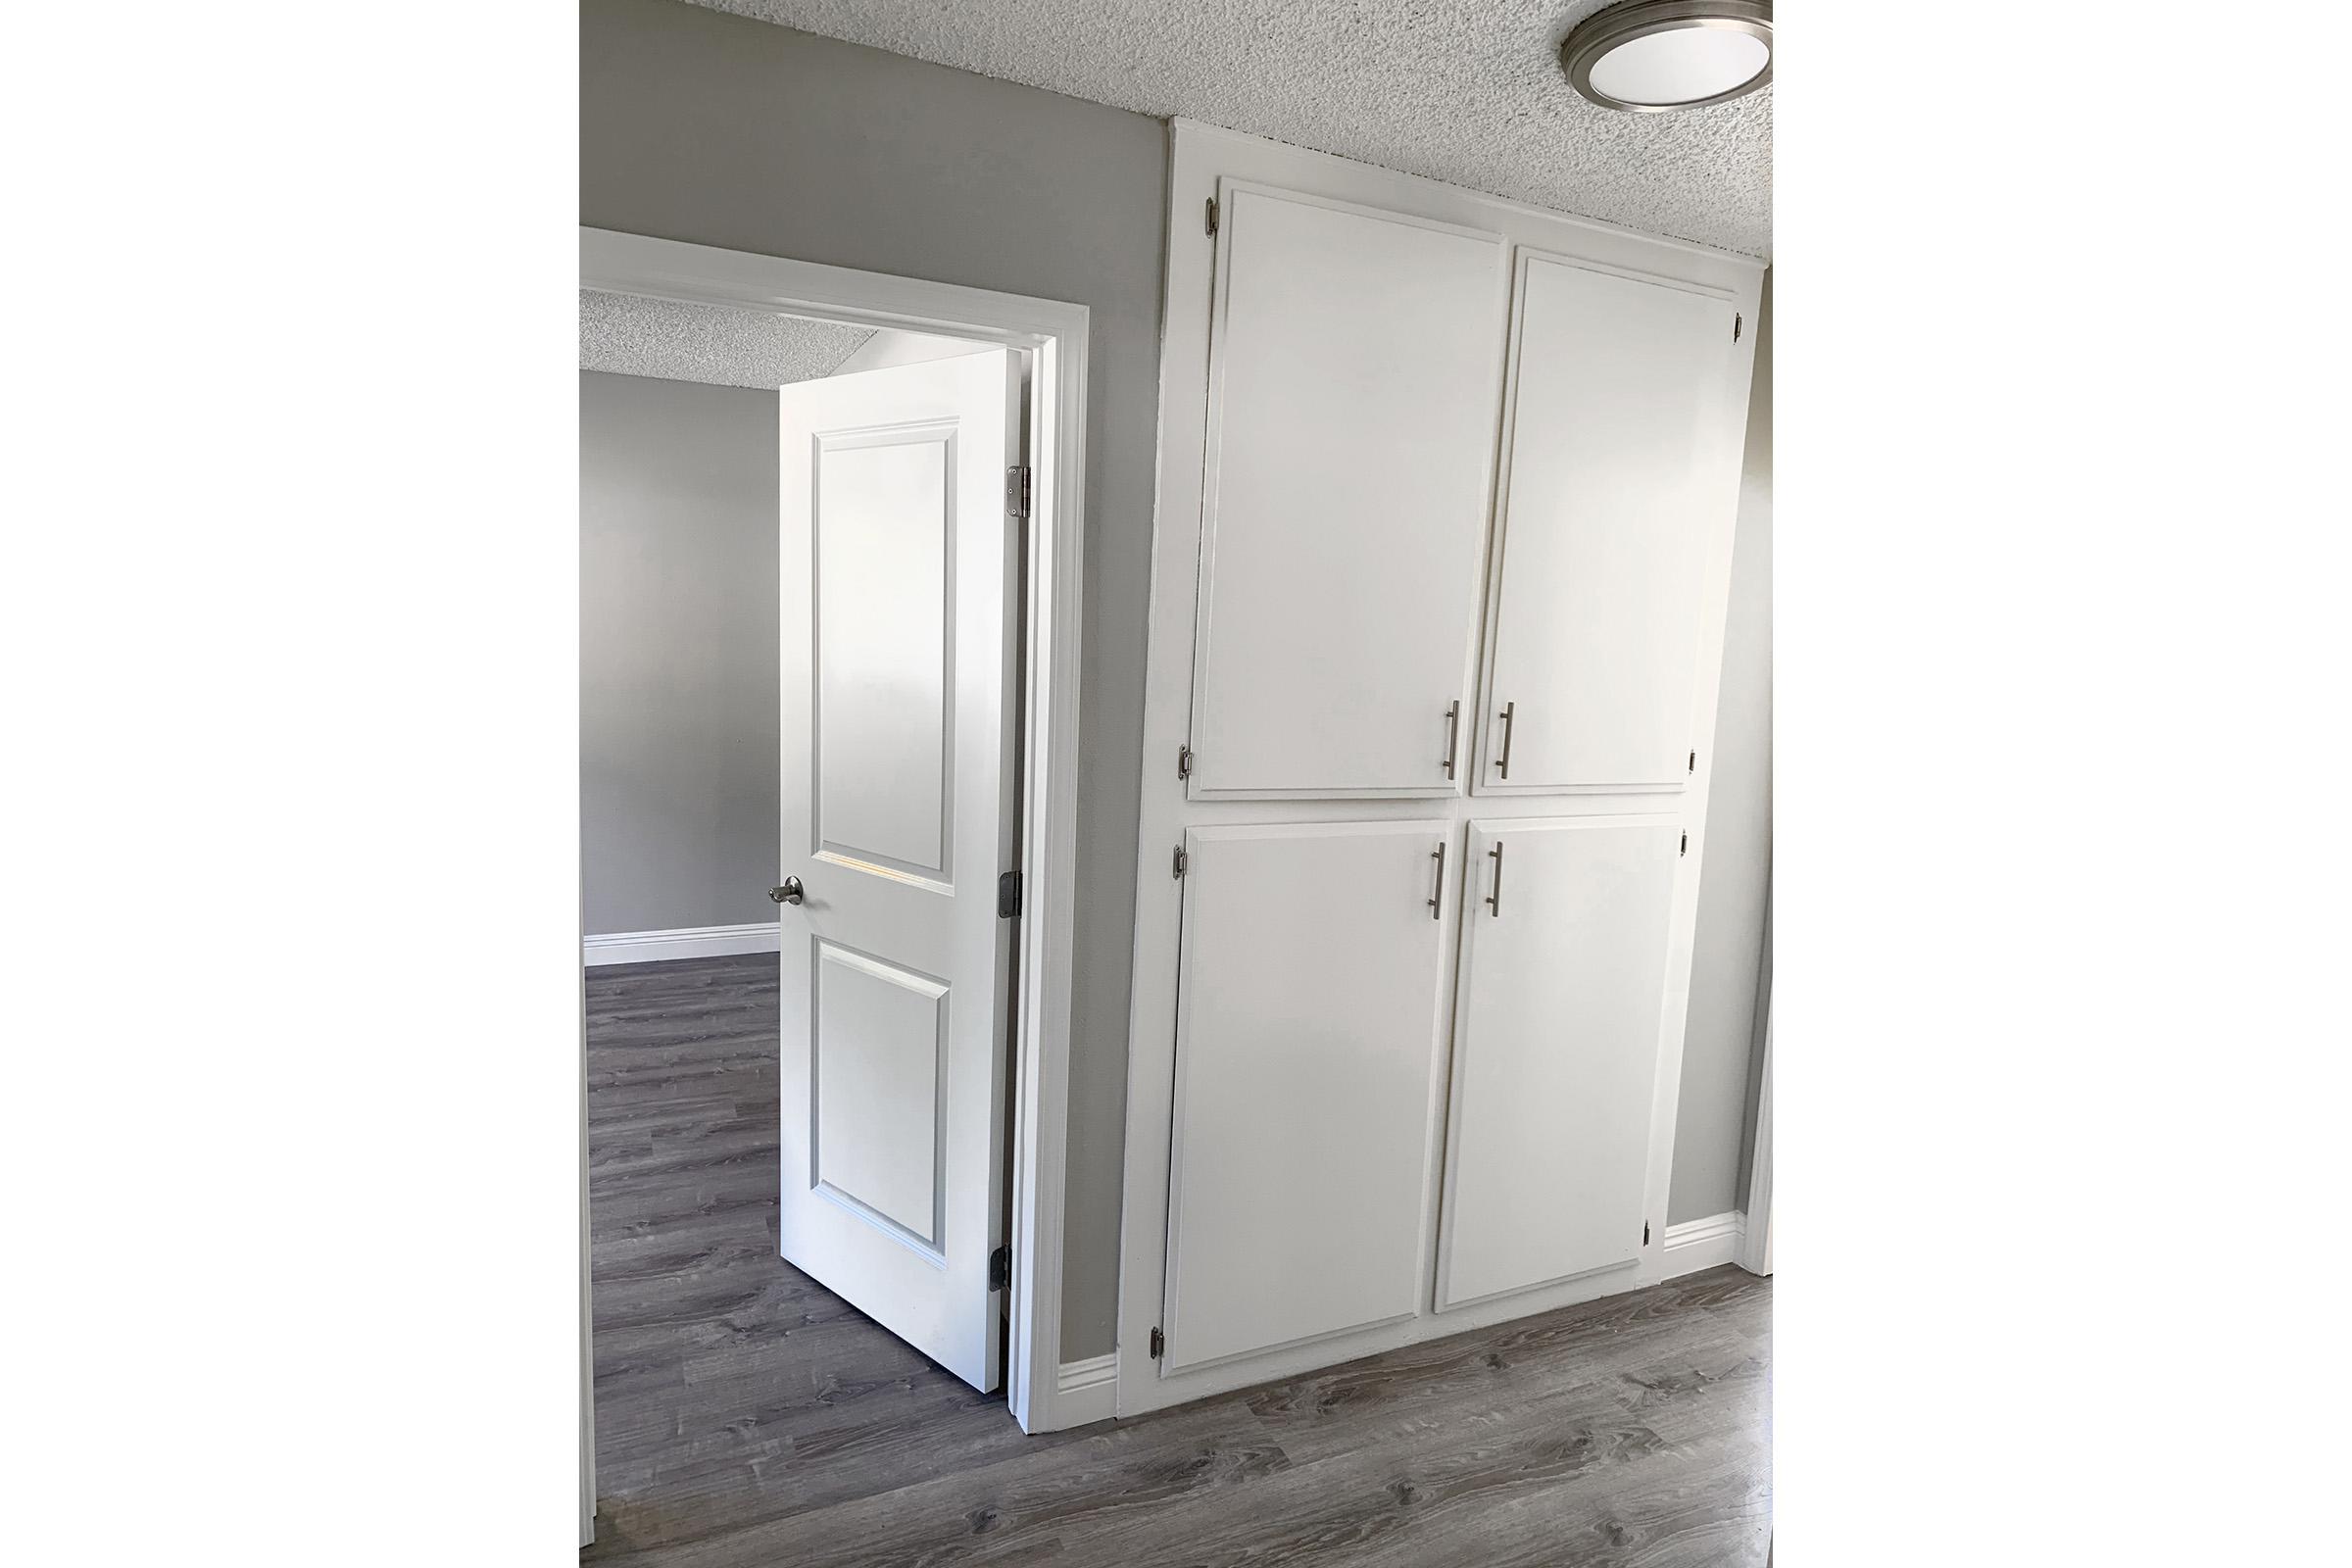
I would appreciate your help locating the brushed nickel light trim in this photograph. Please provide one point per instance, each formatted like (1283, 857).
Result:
(1609, 30)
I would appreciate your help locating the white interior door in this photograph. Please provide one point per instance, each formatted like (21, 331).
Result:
(1355, 378)
(1309, 1022)
(1621, 477)
(897, 655)
(1555, 1054)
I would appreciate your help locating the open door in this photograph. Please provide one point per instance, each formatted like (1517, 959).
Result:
(897, 655)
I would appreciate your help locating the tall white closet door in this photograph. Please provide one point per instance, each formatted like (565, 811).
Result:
(1310, 1024)
(1621, 470)
(1555, 1050)
(1354, 373)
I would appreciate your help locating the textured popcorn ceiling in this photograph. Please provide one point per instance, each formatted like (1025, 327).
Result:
(1466, 92)
(628, 335)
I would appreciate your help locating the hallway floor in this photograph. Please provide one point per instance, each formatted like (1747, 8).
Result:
(745, 1416)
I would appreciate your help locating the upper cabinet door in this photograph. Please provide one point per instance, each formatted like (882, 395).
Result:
(1620, 484)
(1355, 386)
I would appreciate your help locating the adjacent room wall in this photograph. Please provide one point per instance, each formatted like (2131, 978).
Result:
(677, 654)
(702, 126)
(1714, 1123)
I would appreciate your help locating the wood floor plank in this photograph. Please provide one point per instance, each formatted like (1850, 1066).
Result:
(1683, 1506)
(1432, 1487)
(1017, 1506)
(746, 1418)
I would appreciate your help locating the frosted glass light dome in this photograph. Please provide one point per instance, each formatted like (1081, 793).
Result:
(1655, 55)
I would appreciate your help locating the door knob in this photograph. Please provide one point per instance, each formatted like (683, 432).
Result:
(789, 893)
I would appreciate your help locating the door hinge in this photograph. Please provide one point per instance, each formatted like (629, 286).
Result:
(1159, 1344)
(1000, 1268)
(1017, 490)
(1686, 848)
(1737, 319)
(1008, 895)
(1210, 218)
(1183, 761)
(1184, 861)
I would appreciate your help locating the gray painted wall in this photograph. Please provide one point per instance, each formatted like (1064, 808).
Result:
(1715, 1120)
(677, 653)
(702, 126)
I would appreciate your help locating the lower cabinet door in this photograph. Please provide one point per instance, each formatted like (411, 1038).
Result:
(1309, 1027)
(1556, 1051)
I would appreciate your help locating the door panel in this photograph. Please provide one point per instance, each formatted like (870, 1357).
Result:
(1355, 380)
(879, 1034)
(1620, 479)
(895, 663)
(1556, 1051)
(884, 745)
(1309, 1022)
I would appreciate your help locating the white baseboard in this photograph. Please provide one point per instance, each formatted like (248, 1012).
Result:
(1085, 1390)
(687, 942)
(1698, 1243)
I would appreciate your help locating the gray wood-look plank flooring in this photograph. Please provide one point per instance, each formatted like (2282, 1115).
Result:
(746, 1418)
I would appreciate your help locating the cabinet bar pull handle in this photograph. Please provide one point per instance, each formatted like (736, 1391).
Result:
(1502, 767)
(1494, 899)
(1453, 728)
(1437, 891)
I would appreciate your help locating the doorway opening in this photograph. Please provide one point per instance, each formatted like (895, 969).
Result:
(831, 527)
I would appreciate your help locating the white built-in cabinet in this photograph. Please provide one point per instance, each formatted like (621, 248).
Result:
(1445, 499)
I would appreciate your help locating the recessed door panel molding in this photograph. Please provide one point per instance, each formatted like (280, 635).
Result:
(884, 526)
(1559, 1016)
(897, 601)
(1307, 1043)
(1620, 478)
(1355, 373)
(874, 1092)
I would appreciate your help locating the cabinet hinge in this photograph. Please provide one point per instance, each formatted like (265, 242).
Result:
(1646, 1233)
(1009, 896)
(1210, 218)
(1183, 761)
(1686, 848)
(1000, 1268)
(1159, 1344)
(1184, 861)
(1737, 319)
(1017, 490)
(1693, 762)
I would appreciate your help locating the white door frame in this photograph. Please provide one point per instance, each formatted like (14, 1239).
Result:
(1055, 334)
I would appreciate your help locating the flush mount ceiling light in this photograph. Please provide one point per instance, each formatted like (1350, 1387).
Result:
(1650, 56)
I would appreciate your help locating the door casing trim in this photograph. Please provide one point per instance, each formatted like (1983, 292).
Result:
(1055, 332)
